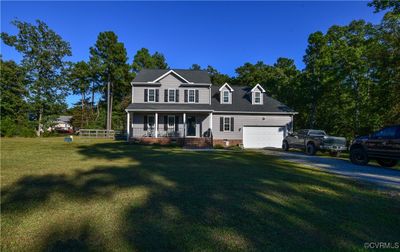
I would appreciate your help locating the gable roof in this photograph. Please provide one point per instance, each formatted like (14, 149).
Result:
(190, 76)
(227, 86)
(259, 87)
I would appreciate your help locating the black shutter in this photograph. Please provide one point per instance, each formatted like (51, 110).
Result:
(145, 123)
(177, 123)
(232, 124)
(165, 95)
(145, 95)
(177, 95)
(165, 123)
(157, 95)
(221, 124)
(197, 95)
(186, 95)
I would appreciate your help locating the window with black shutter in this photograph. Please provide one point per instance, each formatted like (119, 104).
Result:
(145, 123)
(197, 96)
(157, 95)
(165, 123)
(176, 123)
(186, 95)
(146, 94)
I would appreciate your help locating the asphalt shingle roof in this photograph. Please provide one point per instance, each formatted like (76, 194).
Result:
(196, 76)
(241, 101)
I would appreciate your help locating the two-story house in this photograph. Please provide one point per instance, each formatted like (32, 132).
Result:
(184, 106)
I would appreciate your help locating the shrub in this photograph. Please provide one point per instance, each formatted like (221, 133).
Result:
(218, 146)
(9, 128)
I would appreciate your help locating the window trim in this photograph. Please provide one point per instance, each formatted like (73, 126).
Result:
(194, 95)
(169, 95)
(255, 98)
(168, 126)
(148, 94)
(223, 96)
(229, 124)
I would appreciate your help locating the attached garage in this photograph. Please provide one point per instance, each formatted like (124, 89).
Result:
(263, 136)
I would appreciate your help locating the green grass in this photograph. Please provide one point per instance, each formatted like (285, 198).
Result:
(107, 195)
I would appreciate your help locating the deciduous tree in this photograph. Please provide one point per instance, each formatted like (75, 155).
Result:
(43, 59)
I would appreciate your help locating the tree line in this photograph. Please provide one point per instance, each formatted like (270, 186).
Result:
(350, 84)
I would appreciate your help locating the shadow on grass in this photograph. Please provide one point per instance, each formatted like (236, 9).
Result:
(215, 201)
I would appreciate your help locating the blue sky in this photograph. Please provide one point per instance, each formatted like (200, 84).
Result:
(222, 34)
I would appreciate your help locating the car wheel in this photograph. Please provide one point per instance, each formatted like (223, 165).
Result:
(310, 149)
(386, 162)
(359, 156)
(285, 146)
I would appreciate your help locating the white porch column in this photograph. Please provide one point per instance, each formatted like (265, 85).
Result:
(156, 124)
(211, 122)
(128, 125)
(184, 124)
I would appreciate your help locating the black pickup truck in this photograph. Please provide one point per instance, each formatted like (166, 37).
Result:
(312, 140)
(382, 145)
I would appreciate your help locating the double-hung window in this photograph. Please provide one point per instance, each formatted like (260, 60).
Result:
(225, 97)
(171, 122)
(151, 122)
(171, 95)
(257, 97)
(151, 95)
(191, 95)
(227, 124)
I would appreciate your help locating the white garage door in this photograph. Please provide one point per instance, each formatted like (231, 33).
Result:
(262, 137)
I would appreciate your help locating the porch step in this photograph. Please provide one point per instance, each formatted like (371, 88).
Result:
(197, 143)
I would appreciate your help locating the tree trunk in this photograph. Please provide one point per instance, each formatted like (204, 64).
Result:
(111, 108)
(98, 110)
(39, 129)
(108, 104)
(83, 109)
(92, 105)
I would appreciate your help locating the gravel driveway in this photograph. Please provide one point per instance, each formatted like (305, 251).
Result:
(381, 176)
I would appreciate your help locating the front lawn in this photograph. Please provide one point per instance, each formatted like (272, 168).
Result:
(108, 195)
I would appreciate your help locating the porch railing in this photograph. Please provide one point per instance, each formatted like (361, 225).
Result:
(139, 132)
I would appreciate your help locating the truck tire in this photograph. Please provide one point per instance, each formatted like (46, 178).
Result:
(359, 156)
(285, 146)
(310, 149)
(386, 162)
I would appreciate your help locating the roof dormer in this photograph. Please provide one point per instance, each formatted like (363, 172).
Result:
(225, 93)
(257, 95)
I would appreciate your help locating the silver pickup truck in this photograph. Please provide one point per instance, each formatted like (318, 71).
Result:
(311, 141)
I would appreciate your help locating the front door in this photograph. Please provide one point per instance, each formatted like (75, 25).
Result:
(191, 126)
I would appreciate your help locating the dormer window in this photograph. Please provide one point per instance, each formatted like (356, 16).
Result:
(256, 95)
(226, 94)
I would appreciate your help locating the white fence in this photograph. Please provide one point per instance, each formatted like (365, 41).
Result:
(96, 133)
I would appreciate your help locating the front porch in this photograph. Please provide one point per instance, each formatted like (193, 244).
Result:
(182, 128)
